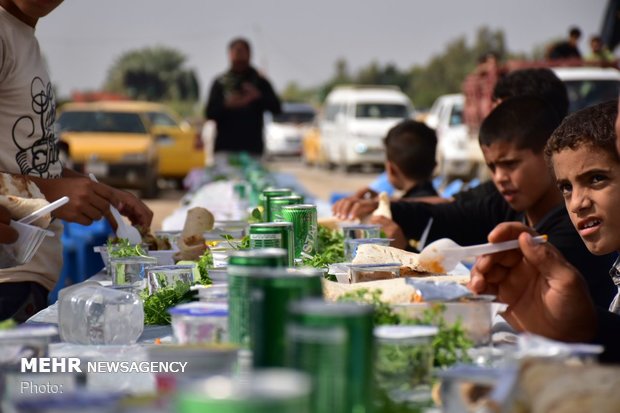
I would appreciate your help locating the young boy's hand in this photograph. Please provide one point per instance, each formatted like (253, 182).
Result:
(133, 208)
(343, 207)
(391, 230)
(8, 235)
(545, 294)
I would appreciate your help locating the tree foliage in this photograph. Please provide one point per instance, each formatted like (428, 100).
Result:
(444, 73)
(155, 74)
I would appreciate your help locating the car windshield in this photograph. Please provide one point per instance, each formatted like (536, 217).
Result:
(294, 117)
(91, 121)
(584, 93)
(161, 119)
(380, 110)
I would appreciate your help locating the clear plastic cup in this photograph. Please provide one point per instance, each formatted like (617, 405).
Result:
(215, 293)
(195, 323)
(372, 272)
(28, 242)
(168, 275)
(351, 244)
(403, 365)
(356, 231)
(131, 270)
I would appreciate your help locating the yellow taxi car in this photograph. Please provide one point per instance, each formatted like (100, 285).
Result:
(311, 149)
(129, 143)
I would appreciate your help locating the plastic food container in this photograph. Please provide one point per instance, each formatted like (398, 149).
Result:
(130, 270)
(164, 257)
(214, 293)
(262, 391)
(373, 272)
(168, 275)
(21, 251)
(89, 313)
(357, 231)
(24, 342)
(195, 323)
(404, 361)
(351, 244)
(475, 316)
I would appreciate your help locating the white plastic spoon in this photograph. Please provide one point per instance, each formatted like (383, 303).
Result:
(123, 230)
(444, 254)
(45, 210)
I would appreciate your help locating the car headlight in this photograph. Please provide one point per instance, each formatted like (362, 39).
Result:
(135, 157)
(361, 148)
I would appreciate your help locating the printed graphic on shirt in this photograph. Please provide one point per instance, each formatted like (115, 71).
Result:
(34, 135)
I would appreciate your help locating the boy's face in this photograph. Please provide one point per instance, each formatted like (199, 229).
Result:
(589, 179)
(239, 57)
(520, 175)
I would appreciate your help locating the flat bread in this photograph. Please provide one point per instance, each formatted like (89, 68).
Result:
(192, 242)
(20, 196)
(394, 291)
(383, 210)
(379, 254)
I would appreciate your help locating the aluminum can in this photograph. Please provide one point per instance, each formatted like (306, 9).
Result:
(333, 343)
(241, 265)
(304, 220)
(270, 295)
(276, 203)
(271, 193)
(274, 235)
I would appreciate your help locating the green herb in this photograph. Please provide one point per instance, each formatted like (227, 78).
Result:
(205, 262)
(8, 324)
(156, 305)
(255, 216)
(450, 345)
(330, 248)
(122, 248)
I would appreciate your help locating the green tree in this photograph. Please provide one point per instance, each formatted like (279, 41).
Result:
(155, 74)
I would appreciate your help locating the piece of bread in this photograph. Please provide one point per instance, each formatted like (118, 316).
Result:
(20, 196)
(379, 254)
(393, 291)
(383, 209)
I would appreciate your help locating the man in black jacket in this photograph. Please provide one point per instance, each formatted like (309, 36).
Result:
(512, 137)
(237, 102)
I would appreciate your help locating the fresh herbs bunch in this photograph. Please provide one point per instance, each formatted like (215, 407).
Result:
(330, 248)
(450, 345)
(122, 248)
(156, 306)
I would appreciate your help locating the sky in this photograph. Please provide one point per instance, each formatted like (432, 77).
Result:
(292, 40)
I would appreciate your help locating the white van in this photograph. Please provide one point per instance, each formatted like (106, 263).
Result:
(355, 121)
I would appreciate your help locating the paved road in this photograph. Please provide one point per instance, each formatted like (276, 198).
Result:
(319, 182)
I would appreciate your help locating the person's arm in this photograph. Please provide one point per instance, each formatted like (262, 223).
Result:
(608, 335)
(545, 294)
(269, 100)
(215, 102)
(90, 201)
(8, 234)
(342, 208)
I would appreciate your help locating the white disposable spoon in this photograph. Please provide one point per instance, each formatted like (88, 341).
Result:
(33, 216)
(123, 230)
(444, 254)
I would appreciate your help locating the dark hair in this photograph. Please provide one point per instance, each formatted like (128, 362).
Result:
(574, 32)
(535, 82)
(411, 146)
(594, 126)
(525, 121)
(239, 40)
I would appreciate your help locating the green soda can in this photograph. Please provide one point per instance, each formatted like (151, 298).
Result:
(333, 343)
(274, 235)
(304, 219)
(264, 391)
(271, 193)
(276, 203)
(242, 265)
(270, 296)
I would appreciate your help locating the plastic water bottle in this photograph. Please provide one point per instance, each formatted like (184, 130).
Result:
(89, 313)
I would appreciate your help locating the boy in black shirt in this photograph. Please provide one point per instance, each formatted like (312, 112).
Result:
(512, 138)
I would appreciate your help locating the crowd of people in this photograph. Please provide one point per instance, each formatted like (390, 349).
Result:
(551, 174)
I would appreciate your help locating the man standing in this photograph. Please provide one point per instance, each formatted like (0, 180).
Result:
(567, 49)
(237, 101)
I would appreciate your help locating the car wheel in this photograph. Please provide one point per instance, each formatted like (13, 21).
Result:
(151, 187)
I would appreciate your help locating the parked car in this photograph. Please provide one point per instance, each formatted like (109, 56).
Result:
(284, 132)
(150, 142)
(356, 119)
(453, 146)
(587, 86)
(312, 151)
